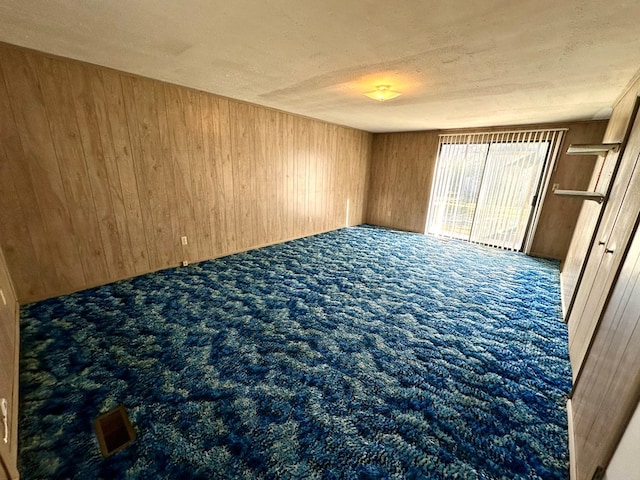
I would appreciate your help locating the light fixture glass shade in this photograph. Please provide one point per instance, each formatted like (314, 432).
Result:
(382, 93)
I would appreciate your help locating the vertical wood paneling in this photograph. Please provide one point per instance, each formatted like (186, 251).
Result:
(167, 228)
(319, 149)
(151, 172)
(214, 177)
(180, 171)
(311, 174)
(88, 98)
(142, 181)
(242, 150)
(321, 154)
(333, 209)
(184, 173)
(117, 235)
(59, 104)
(342, 172)
(276, 153)
(18, 228)
(103, 172)
(580, 246)
(289, 135)
(131, 227)
(362, 170)
(301, 152)
(344, 201)
(56, 246)
(401, 175)
(199, 169)
(231, 212)
(262, 180)
(173, 251)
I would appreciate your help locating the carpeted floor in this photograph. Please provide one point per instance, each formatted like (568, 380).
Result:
(357, 354)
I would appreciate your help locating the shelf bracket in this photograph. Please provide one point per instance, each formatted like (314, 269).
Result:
(595, 196)
(593, 149)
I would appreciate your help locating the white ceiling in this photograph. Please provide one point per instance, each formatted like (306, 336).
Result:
(458, 63)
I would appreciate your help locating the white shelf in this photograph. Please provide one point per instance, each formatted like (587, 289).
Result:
(597, 149)
(595, 196)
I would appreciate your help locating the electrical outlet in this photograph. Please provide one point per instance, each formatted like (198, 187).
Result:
(184, 240)
(185, 263)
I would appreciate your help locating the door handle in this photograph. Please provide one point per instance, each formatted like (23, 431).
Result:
(5, 421)
(609, 250)
(601, 242)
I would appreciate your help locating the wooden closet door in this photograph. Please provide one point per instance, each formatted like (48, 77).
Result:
(612, 241)
(608, 390)
(7, 369)
(8, 372)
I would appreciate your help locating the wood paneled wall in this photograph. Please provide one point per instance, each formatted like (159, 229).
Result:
(103, 172)
(9, 341)
(559, 215)
(402, 171)
(402, 167)
(589, 218)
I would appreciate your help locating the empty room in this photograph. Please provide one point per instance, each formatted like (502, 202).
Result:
(319, 240)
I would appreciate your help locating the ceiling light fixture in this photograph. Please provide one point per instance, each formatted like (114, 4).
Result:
(382, 93)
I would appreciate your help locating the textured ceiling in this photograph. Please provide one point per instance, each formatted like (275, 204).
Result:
(458, 63)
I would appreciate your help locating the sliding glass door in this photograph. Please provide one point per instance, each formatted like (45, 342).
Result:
(487, 185)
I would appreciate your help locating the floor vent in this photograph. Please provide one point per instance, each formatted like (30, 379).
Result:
(114, 431)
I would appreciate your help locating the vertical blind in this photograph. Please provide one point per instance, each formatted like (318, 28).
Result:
(487, 185)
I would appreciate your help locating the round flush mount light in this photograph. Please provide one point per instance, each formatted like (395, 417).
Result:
(383, 93)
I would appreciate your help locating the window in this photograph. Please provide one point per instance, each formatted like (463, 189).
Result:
(486, 187)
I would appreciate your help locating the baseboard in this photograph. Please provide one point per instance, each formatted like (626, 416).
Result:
(572, 446)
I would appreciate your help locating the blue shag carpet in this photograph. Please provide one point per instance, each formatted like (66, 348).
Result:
(363, 353)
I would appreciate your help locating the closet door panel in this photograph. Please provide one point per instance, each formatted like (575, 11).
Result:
(612, 239)
(608, 390)
(611, 254)
(7, 372)
(9, 338)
